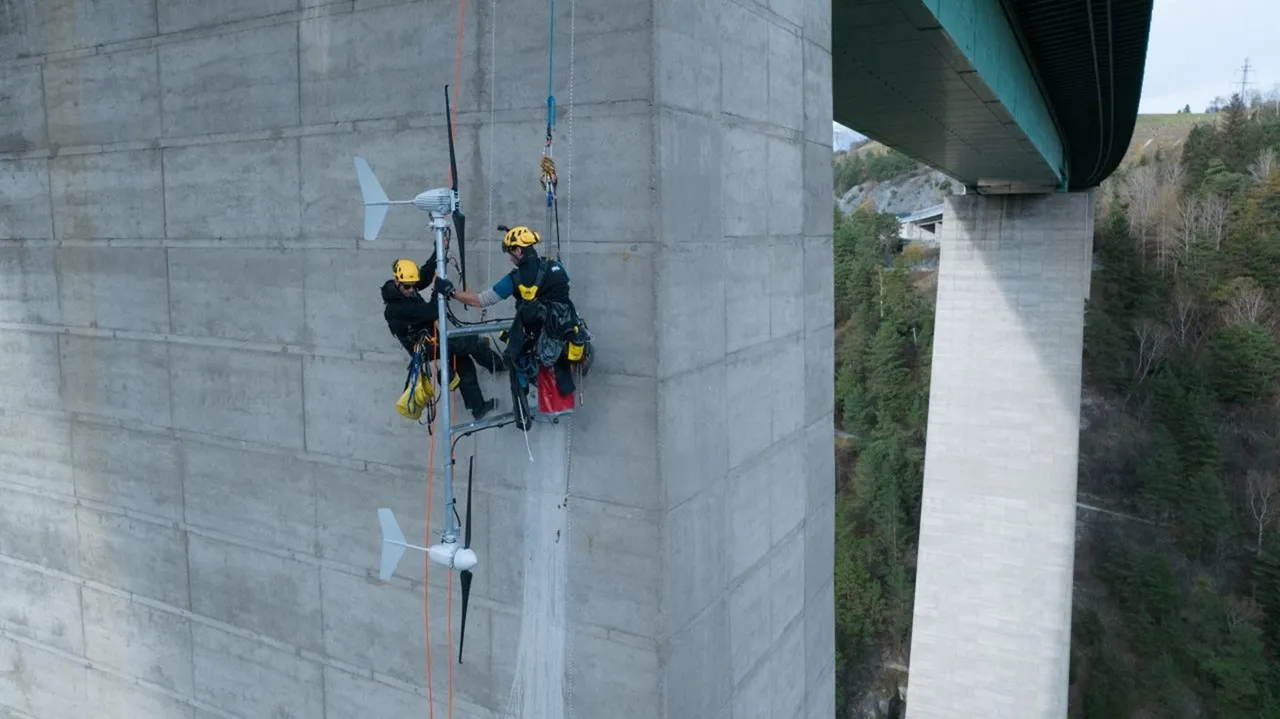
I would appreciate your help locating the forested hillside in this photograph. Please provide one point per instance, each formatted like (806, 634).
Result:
(1177, 596)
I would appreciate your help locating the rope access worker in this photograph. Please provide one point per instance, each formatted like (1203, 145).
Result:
(546, 330)
(411, 320)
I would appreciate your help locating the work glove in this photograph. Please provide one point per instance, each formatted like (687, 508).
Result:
(444, 286)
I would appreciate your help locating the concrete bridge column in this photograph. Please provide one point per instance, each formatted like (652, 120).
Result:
(197, 403)
(992, 627)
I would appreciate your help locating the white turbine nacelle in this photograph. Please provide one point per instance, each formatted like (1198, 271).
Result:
(438, 202)
(449, 554)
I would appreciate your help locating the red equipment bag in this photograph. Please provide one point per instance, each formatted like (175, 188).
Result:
(550, 402)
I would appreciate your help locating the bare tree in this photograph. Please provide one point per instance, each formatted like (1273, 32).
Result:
(1247, 303)
(1213, 213)
(1183, 318)
(1168, 188)
(1153, 341)
(1262, 167)
(1190, 211)
(1242, 610)
(1264, 502)
(1140, 193)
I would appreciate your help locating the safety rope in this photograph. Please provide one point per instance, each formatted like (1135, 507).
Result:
(573, 6)
(426, 585)
(493, 92)
(568, 450)
(426, 559)
(548, 177)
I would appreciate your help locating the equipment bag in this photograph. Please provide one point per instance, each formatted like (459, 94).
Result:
(417, 394)
(418, 391)
(551, 402)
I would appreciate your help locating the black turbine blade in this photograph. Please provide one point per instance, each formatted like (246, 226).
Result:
(466, 574)
(460, 222)
(471, 468)
(459, 219)
(466, 595)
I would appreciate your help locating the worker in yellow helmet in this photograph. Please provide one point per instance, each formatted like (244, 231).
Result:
(411, 319)
(547, 330)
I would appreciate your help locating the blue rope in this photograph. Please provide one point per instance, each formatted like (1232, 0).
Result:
(551, 65)
(414, 368)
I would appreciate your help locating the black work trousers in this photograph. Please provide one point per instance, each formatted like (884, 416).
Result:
(466, 352)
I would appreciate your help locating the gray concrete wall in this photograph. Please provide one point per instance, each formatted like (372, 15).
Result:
(197, 404)
(992, 628)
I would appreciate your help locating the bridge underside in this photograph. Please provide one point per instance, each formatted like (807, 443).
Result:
(900, 78)
(1007, 96)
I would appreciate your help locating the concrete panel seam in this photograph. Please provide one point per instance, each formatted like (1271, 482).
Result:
(343, 7)
(48, 188)
(227, 243)
(761, 665)
(351, 570)
(358, 465)
(286, 647)
(768, 129)
(168, 338)
(416, 121)
(90, 664)
(768, 451)
(770, 15)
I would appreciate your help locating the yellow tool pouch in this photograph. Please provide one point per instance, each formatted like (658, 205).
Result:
(575, 347)
(415, 398)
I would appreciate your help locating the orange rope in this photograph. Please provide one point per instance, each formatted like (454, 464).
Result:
(453, 121)
(426, 562)
(457, 74)
(449, 602)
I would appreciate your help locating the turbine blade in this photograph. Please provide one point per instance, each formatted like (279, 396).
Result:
(466, 542)
(375, 210)
(459, 219)
(466, 596)
(460, 222)
(392, 544)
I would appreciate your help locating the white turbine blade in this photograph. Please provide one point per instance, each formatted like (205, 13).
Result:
(375, 200)
(392, 544)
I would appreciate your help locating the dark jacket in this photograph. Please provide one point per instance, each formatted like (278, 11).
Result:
(410, 318)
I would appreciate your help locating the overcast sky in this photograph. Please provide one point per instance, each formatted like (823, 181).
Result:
(1197, 48)
(1196, 52)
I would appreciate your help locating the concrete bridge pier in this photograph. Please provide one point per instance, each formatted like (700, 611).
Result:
(992, 627)
(197, 386)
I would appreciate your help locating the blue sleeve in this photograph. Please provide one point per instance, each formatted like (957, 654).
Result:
(505, 287)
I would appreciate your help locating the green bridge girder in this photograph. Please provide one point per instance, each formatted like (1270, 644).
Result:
(1003, 95)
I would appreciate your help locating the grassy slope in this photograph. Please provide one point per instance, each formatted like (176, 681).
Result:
(1166, 131)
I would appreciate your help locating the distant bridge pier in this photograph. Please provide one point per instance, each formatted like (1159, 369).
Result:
(992, 627)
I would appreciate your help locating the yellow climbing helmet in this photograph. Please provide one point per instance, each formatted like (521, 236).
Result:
(406, 271)
(520, 237)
